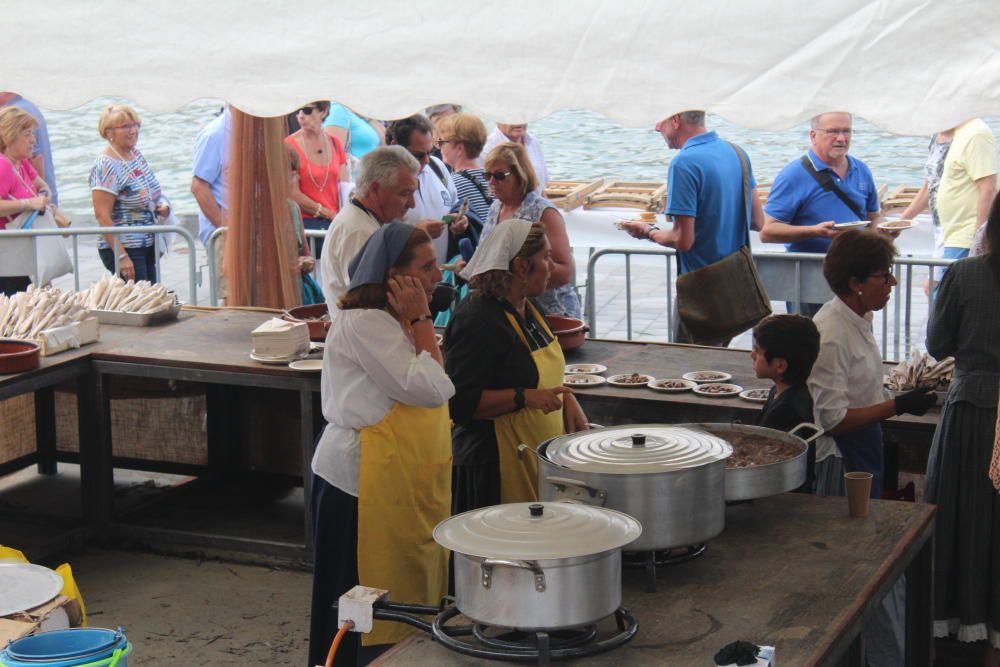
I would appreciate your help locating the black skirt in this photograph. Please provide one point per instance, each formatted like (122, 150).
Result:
(474, 486)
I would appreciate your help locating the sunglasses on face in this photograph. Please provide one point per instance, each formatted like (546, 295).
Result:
(307, 111)
(420, 155)
(496, 175)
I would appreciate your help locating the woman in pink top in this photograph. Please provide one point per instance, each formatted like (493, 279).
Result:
(21, 188)
(322, 165)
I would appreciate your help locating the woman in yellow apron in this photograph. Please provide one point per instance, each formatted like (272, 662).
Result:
(382, 468)
(507, 368)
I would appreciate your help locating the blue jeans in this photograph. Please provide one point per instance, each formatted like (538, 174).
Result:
(939, 271)
(144, 260)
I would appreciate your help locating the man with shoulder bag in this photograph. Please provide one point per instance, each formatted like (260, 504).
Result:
(712, 198)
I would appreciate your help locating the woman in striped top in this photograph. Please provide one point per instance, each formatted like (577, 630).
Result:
(125, 192)
(461, 140)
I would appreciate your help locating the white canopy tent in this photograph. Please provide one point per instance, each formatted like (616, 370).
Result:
(910, 67)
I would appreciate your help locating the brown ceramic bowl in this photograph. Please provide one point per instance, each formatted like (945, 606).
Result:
(310, 315)
(17, 356)
(570, 331)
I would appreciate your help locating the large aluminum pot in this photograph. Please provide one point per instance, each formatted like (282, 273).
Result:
(761, 481)
(537, 566)
(671, 479)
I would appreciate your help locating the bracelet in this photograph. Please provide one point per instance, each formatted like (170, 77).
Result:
(518, 398)
(124, 255)
(418, 320)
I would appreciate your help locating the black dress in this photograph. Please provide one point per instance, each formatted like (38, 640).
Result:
(483, 351)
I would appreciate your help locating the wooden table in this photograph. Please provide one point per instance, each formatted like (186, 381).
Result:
(792, 571)
(210, 348)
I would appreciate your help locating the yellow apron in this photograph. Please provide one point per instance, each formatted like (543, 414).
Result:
(404, 490)
(519, 475)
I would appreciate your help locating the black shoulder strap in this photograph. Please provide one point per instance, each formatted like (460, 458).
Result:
(827, 183)
(472, 179)
(746, 189)
(437, 170)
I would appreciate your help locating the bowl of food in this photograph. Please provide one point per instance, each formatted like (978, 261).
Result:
(569, 330)
(316, 317)
(17, 356)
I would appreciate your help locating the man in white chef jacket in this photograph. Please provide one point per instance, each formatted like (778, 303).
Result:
(436, 195)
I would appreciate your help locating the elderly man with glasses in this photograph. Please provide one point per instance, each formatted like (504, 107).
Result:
(816, 192)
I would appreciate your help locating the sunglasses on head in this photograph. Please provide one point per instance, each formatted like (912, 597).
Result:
(496, 175)
(307, 110)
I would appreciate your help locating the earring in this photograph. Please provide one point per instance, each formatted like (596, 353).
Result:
(860, 293)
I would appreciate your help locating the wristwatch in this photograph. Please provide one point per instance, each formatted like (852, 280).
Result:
(518, 398)
(418, 320)
(650, 230)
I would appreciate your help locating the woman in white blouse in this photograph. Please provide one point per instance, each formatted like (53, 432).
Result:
(382, 468)
(849, 401)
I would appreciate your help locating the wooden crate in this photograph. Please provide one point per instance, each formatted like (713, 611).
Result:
(629, 194)
(568, 195)
(900, 198)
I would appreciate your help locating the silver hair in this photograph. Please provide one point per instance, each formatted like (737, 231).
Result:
(382, 166)
(695, 118)
(438, 109)
(814, 122)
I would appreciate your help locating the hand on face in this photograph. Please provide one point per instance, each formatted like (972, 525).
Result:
(408, 298)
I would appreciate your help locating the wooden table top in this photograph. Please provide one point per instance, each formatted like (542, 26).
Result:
(791, 571)
(666, 360)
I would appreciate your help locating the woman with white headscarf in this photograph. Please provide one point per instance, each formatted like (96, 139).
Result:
(507, 368)
(382, 468)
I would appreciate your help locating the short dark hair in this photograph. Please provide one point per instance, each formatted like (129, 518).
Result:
(856, 254)
(400, 131)
(790, 337)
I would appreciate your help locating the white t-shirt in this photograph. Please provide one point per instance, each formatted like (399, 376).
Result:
(848, 371)
(434, 198)
(345, 237)
(533, 148)
(369, 365)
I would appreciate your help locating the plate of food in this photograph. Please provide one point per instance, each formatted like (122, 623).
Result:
(587, 369)
(582, 380)
(897, 225)
(673, 385)
(707, 376)
(630, 380)
(755, 395)
(851, 224)
(717, 390)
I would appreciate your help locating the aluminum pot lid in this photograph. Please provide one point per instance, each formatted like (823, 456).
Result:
(537, 531)
(642, 448)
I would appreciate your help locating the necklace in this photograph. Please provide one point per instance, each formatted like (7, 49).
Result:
(326, 170)
(17, 172)
(119, 155)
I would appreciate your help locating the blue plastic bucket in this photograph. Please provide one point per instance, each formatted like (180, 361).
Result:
(78, 647)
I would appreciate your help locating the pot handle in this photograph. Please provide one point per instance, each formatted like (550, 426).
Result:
(817, 431)
(490, 563)
(522, 448)
(564, 485)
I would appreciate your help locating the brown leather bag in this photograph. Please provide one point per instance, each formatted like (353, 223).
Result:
(727, 297)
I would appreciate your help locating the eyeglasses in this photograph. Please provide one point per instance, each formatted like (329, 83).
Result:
(307, 110)
(420, 155)
(834, 131)
(441, 142)
(496, 175)
(128, 127)
(885, 276)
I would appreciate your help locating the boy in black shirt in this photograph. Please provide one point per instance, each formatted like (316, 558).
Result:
(784, 350)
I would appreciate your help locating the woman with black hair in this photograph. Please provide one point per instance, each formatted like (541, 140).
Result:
(965, 324)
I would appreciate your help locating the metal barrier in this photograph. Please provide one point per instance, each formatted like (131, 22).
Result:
(791, 277)
(76, 232)
(213, 278)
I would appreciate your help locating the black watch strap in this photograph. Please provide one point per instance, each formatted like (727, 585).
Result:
(519, 398)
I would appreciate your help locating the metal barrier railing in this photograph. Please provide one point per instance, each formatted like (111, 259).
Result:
(213, 278)
(791, 277)
(76, 232)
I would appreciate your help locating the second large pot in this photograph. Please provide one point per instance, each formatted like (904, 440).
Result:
(537, 566)
(671, 479)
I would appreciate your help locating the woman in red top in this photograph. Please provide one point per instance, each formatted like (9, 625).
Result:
(21, 188)
(322, 165)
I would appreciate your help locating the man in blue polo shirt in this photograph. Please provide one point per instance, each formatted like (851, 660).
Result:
(705, 198)
(824, 187)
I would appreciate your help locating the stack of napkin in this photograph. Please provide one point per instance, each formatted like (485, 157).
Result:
(278, 339)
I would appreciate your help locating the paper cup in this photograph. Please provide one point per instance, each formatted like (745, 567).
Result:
(859, 488)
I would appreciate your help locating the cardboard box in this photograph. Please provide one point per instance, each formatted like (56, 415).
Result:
(80, 333)
(56, 612)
